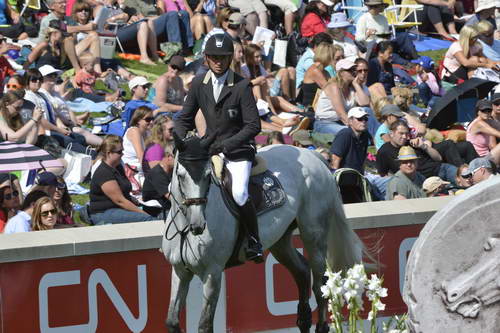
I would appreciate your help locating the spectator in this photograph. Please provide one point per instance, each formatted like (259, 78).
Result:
(485, 10)
(350, 145)
(12, 127)
(316, 17)
(480, 133)
(275, 138)
(86, 78)
(380, 68)
(338, 96)
(45, 214)
(200, 13)
(61, 121)
(463, 178)
(490, 46)
(337, 28)
(407, 182)
(133, 145)
(429, 83)
(316, 76)
(12, 25)
(62, 199)
(430, 163)
(161, 136)
(437, 15)
(434, 186)
(110, 200)
(178, 19)
(139, 87)
(372, 26)
(168, 89)
(15, 82)
(247, 8)
(21, 222)
(495, 100)
(481, 169)
(46, 182)
(302, 139)
(307, 59)
(464, 57)
(157, 181)
(389, 114)
(238, 58)
(9, 200)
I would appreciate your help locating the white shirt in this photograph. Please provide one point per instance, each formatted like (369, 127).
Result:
(36, 99)
(350, 49)
(368, 21)
(218, 84)
(21, 222)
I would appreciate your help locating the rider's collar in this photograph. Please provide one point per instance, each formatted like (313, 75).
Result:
(229, 74)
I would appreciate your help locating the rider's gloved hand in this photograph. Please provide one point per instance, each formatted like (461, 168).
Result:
(215, 148)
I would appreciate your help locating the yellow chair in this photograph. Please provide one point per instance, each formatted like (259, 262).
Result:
(397, 15)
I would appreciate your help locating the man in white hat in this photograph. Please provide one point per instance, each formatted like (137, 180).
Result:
(407, 182)
(373, 26)
(485, 11)
(337, 29)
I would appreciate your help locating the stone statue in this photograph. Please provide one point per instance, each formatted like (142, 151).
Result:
(452, 281)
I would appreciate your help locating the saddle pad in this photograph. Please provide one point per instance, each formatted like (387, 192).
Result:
(271, 191)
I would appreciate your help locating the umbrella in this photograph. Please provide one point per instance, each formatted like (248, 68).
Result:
(22, 156)
(457, 105)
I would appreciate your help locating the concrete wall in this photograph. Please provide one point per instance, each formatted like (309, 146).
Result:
(147, 235)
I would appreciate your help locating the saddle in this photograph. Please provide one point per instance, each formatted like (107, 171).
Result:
(264, 189)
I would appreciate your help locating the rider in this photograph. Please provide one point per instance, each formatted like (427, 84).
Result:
(228, 105)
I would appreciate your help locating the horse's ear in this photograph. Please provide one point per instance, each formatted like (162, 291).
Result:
(179, 143)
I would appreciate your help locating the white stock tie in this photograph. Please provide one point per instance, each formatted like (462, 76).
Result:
(217, 89)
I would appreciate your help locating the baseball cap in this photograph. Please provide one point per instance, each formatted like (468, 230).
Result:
(484, 104)
(424, 61)
(327, 2)
(478, 163)
(391, 109)
(344, 64)
(357, 112)
(48, 69)
(47, 178)
(407, 153)
(495, 97)
(137, 81)
(432, 183)
(178, 61)
(236, 19)
(303, 137)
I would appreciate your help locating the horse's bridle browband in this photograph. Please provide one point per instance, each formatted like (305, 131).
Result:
(194, 201)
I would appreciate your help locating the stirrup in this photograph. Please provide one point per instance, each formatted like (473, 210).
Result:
(254, 250)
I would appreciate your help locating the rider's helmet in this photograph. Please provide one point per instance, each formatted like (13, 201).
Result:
(219, 44)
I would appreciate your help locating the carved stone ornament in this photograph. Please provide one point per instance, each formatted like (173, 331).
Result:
(452, 281)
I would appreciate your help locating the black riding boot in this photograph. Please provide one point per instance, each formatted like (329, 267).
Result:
(248, 218)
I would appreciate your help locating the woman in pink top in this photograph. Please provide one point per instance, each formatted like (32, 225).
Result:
(482, 136)
(464, 56)
(178, 19)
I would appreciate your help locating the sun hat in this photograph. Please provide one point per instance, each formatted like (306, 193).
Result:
(391, 109)
(424, 61)
(407, 153)
(338, 20)
(344, 64)
(432, 183)
(48, 69)
(137, 81)
(485, 4)
(356, 112)
(303, 137)
(376, 3)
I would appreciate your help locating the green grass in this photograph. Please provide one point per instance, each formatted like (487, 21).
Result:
(436, 55)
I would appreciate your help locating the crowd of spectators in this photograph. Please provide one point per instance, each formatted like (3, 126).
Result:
(360, 87)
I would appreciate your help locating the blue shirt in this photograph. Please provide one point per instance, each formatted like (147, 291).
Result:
(3, 7)
(21, 222)
(305, 61)
(351, 149)
(491, 52)
(131, 106)
(381, 130)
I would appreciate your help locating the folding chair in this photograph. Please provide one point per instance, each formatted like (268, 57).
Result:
(32, 4)
(397, 15)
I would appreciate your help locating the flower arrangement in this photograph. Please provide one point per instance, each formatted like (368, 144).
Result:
(348, 291)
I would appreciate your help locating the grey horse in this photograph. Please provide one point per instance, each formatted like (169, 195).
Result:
(201, 232)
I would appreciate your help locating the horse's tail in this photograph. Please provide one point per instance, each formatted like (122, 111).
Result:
(345, 248)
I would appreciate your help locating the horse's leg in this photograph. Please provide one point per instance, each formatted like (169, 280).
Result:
(211, 289)
(295, 262)
(179, 287)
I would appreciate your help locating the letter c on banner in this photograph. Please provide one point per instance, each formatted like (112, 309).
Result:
(98, 276)
(280, 308)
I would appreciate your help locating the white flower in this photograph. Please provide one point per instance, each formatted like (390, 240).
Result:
(379, 305)
(370, 315)
(325, 291)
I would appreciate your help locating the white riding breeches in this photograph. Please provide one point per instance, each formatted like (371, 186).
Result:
(240, 174)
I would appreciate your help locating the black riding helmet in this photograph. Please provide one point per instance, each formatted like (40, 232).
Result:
(219, 44)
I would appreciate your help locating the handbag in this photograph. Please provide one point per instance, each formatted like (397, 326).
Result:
(78, 166)
(134, 176)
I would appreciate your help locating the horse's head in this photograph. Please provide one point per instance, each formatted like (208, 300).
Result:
(191, 180)
(478, 286)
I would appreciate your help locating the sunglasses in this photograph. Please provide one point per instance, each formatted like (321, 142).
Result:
(9, 196)
(469, 176)
(84, 10)
(14, 86)
(119, 152)
(486, 110)
(175, 68)
(36, 79)
(47, 212)
(364, 118)
(362, 70)
(148, 119)
(146, 86)
(496, 103)
(170, 129)
(52, 75)
(61, 186)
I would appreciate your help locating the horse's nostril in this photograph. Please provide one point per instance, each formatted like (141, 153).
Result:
(454, 295)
